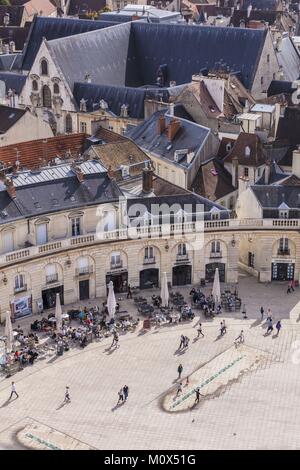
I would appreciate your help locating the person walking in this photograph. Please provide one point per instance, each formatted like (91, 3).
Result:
(129, 293)
(221, 329)
(224, 327)
(199, 330)
(240, 339)
(125, 392)
(293, 285)
(181, 342)
(179, 389)
(262, 313)
(121, 396)
(198, 395)
(244, 312)
(67, 395)
(289, 289)
(115, 341)
(278, 327)
(270, 325)
(186, 342)
(179, 370)
(187, 382)
(13, 391)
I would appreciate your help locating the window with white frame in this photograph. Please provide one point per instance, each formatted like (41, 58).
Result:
(283, 214)
(116, 259)
(83, 127)
(20, 282)
(7, 241)
(284, 245)
(149, 252)
(41, 233)
(215, 246)
(51, 273)
(75, 226)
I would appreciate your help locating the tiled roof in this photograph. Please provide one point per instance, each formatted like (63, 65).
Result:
(244, 140)
(108, 136)
(35, 153)
(213, 181)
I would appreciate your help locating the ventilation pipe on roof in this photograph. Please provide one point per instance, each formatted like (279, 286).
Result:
(267, 172)
(249, 9)
(147, 180)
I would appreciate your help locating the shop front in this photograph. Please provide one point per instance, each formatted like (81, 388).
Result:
(210, 269)
(283, 270)
(119, 279)
(21, 307)
(49, 296)
(149, 278)
(182, 275)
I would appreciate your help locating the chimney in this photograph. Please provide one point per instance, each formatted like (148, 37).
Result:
(279, 43)
(78, 172)
(173, 128)
(235, 171)
(10, 188)
(267, 172)
(249, 9)
(110, 173)
(171, 109)
(147, 180)
(296, 162)
(161, 124)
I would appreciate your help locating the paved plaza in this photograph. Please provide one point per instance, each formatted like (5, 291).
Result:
(250, 393)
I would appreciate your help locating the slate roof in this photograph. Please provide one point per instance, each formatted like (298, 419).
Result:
(17, 34)
(276, 174)
(15, 14)
(13, 81)
(190, 136)
(280, 86)
(186, 50)
(212, 180)
(271, 196)
(101, 53)
(289, 126)
(54, 28)
(289, 59)
(33, 153)
(57, 195)
(9, 117)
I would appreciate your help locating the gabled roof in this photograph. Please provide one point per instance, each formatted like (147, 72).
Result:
(54, 28)
(36, 153)
(275, 175)
(13, 81)
(190, 137)
(101, 53)
(9, 117)
(238, 150)
(212, 180)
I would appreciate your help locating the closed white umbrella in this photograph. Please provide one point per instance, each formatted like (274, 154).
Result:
(8, 332)
(58, 312)
(216, 291)
(164, 292)
(111, 300)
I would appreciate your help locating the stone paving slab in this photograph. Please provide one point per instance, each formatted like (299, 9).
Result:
(221, 371)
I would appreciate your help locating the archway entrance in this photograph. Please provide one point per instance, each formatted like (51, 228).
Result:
(210, 271)
(182, 275)
(149, 278)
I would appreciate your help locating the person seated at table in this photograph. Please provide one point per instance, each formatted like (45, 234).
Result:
(83, 341)
(17, 356)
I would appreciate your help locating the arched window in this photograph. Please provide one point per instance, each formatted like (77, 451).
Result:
(35, 86)
(44, 67)
(182, 249)
(56, 88)
(47, 102)
(69, 124)
(51, 273)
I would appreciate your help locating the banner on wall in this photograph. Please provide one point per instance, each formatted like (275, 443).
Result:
(21, 307)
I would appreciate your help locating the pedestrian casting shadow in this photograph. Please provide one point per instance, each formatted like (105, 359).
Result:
(180, 352)
(256, 323)
(110, 351)
(264, 325)
(117, 406)
(64, 403)
(142, 332)
(196, 339)
(53, 359)
(267, 334)
(8, 402)
(219, 337)
(275, 336)
(176, 380)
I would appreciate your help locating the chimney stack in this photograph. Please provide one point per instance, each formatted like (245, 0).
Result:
(161, 124)
(110, 173)
(78, 172)
(267, 172)
(173, 129)
(10, 188)
(147, 180)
